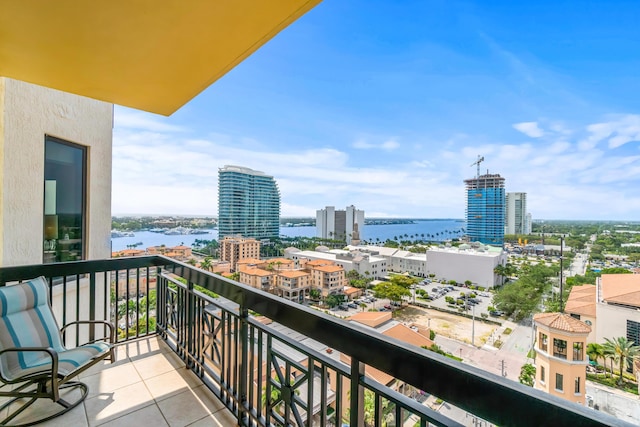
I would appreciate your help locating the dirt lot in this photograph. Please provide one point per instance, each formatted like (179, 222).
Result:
(445, 324)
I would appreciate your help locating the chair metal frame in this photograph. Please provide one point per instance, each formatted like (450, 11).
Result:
(49, 382)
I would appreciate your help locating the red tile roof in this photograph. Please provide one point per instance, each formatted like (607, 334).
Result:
(562, 322)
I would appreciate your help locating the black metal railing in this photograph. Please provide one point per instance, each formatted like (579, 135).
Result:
(299, 367)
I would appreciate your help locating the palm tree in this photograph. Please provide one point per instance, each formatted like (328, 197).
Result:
(595, 351)
(622, 351)
(206, 263)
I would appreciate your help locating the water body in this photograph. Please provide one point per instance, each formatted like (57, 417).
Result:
(436, 227)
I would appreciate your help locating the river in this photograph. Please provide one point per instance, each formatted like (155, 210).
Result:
(441, 229)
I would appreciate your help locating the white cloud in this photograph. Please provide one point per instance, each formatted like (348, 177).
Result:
(157, 171)
(388, 145)
(421, 164)
(531, 129)
(618, 131)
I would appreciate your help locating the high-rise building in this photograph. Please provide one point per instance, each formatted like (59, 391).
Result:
(516, 219)
(338, 224)
(485, 209)
(248, 203)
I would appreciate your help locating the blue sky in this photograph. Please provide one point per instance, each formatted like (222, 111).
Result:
(386, 104)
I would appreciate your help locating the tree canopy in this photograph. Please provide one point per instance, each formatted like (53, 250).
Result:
(522, 297)
(391, 291)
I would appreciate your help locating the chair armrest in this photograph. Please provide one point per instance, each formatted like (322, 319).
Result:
(93, 322)
(50, 351)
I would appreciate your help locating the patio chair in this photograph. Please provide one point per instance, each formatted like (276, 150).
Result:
(34, 363)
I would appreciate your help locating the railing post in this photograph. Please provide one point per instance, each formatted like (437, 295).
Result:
(190, 322)
(356, 405)
(243, 418)
(92, 304)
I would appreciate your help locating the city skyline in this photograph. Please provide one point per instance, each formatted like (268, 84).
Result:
(386, 106)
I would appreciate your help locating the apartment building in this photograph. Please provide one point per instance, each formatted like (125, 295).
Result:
(293, 285)
(517, 220)
(339, 224)
(248, 203)
(234, 249)
(328, 279)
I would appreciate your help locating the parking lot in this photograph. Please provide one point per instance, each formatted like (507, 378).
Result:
(438, 293)
(350, 308)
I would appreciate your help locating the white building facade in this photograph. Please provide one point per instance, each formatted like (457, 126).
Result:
(55, 150)
(476, 265)
(364, 263)
(338, 224)
(459, 264)
(517, 220)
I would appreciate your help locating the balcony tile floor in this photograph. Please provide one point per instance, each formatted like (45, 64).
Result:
(147, 385)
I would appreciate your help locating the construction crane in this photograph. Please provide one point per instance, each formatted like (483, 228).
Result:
(477, 163)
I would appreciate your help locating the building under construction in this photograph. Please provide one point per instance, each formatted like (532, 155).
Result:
(485, 209)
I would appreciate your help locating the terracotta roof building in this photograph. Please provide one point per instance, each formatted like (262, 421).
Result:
(561, 360)
(581, 305)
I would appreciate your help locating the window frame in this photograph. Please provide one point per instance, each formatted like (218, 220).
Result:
(55, 255)
(559, 381)
(559, 350)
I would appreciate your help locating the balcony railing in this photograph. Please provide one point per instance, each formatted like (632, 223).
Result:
(289, 372)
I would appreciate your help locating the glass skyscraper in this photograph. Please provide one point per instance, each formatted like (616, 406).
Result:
(248, 203)
(486, 209)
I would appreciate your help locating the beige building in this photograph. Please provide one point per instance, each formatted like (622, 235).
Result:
(328, 279)
(293, 285)
(257, 278)
(581, 304)
(561, 359)
(611, 307)
(234, 249)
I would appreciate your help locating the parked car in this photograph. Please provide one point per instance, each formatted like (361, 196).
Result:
(342, 307)
(496, 313)
(436, 289)
(352, 305)
(387, 306)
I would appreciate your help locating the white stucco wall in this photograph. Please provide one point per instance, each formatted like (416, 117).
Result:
(28, 113)
(464, 265)
(612, 321)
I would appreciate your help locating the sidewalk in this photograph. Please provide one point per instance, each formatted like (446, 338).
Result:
(505, 361)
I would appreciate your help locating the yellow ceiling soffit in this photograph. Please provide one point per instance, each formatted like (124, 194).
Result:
(150, 55)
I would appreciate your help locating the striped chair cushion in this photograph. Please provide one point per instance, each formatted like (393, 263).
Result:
(26, 320)
(68, 361)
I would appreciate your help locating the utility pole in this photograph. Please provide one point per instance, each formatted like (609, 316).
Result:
(561, 266)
